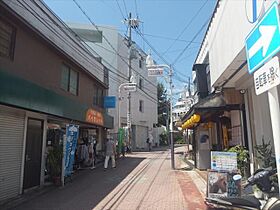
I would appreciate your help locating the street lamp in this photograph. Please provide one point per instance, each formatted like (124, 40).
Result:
(151, 66)
(129, 87)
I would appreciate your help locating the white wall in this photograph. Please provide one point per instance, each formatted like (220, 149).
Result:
(225, 39)
(262, 121)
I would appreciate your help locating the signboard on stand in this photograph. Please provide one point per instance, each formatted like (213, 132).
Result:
(223, 161)
(72, 134)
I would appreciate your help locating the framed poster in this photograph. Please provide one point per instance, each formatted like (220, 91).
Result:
(217, 184)
(222, 184)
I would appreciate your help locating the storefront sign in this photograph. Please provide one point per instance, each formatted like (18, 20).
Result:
(72, 134)
(223, 161)
(267, 76)
(94, 117)
(109, 102)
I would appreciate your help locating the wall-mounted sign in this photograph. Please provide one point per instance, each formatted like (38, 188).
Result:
(109, 102)
(253, 9)
(264, 40)
(268, 76)
(94, 117)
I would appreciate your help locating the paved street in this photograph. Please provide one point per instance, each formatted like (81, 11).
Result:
(142, 180)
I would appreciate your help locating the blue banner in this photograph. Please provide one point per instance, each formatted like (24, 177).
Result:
(72, 134)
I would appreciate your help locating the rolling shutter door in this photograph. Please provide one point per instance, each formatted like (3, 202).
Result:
(11, 146)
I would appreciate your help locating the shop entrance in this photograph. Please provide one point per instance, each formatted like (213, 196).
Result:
(33, 153)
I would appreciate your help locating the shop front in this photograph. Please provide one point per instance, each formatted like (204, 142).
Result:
(216, 125)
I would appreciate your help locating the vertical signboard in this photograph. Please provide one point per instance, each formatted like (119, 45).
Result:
(72, 134)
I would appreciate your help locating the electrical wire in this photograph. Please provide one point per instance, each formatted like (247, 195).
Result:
(125, 7)
(109, 41)
(120, 9)
(185, 28)
(199, 31)
(37, 15)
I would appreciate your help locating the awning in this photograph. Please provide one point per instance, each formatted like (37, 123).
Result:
(211, 106)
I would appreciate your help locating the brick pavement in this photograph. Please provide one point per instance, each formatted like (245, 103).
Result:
(141, 181)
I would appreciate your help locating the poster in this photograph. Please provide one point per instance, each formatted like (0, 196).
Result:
(222, 184)
(223, 161)
(72, 134)
(204, 140)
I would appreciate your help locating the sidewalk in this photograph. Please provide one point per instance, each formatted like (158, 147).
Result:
(142, 180)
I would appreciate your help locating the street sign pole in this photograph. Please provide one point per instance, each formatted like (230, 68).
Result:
(275, 122)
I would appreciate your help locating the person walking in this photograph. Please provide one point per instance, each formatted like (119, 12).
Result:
(150, 141)
(110, 153)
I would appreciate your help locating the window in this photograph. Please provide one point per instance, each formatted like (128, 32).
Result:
(7, 40)
(141, 84)
(98, 96)
(141, 106)
(140, 63)
(106, 76)
(69, 80)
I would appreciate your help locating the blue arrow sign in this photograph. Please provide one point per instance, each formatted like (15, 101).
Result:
(264, 40)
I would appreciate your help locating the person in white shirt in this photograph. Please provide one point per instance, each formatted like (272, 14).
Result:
(110, 153)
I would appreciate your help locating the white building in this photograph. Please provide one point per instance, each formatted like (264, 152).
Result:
(112, 48)
(182, 105)
(224, 49)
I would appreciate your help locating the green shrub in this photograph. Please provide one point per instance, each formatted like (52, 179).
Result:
(242, 158)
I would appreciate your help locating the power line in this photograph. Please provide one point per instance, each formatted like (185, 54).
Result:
(109, 41)
(199, 31)
(36, 15)
(120, 9)
(185, 28)
(125, 7)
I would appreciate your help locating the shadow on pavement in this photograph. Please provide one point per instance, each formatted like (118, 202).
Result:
(87, 188)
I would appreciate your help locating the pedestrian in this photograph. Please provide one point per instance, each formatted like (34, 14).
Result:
(150, 141)
(110, 153)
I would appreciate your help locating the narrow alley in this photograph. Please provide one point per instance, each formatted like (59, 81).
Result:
(141, 180)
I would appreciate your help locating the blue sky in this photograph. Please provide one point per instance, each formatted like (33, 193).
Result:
(162, 23)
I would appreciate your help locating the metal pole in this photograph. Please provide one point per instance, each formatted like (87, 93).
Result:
(129, 76)
(119, 107)
(275, 122)
(171, 119)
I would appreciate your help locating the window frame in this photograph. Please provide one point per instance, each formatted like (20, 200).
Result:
(141, 106)
(66, 86)
(12, 36)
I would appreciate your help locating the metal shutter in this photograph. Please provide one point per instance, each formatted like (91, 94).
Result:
(11, 146)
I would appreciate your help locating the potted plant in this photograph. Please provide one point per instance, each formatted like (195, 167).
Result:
(55, 163)
(242, 158)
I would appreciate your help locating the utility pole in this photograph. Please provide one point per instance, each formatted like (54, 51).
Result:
(171, 118)
(129, 77)
(132, 23)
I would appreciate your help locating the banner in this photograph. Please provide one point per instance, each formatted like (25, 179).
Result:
(72, 134)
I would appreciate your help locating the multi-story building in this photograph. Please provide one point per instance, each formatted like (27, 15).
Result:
(47, 80)
(112, 49)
